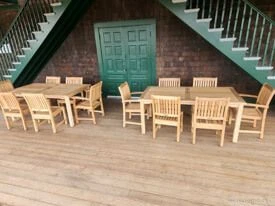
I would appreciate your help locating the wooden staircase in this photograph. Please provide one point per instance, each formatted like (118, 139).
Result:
(236, 28)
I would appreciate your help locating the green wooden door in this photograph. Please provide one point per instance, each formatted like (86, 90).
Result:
(126, 52)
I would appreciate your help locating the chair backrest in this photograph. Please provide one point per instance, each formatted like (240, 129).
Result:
(124, 91)
(95, 92)
(74, 80)
(169, 82)
(205, 81)
(8, 101)
(265, 95)
(53, 80)
(211, 109)
(37, 103)
(167, 106)
(6, 86)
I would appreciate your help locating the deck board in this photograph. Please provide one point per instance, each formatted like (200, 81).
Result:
(106, 164)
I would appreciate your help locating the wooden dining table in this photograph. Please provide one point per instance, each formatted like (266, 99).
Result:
(55, 91)
(188, 95)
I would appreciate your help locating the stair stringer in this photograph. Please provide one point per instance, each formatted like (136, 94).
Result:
(214, 38)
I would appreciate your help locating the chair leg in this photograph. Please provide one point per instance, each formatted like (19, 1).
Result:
(7, 122)
(35, 125)
(154, 130)
(76, 116)
(262, 127)
(254, 123)
(101, 107)
(23, 122)
(53, 125)
(194, 136)
(178, 132)
(124, 118)
(222, 137)
(64, 115)
(93, 115)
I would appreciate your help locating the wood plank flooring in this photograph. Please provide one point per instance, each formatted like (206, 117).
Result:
(105, 164)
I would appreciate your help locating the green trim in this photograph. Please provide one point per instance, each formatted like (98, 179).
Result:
(9, 7)
(151, 22)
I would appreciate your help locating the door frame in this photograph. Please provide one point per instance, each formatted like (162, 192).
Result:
(98, 26)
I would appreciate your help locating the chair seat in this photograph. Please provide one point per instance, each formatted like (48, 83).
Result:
(252, 113)
(171, 121)
(86, 104)
(134, 107)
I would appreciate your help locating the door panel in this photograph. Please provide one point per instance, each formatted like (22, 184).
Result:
(126, 53)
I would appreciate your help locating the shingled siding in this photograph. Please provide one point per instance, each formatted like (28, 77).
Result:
(180, 51)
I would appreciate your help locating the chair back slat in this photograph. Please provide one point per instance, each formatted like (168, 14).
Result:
(6, 86)
(205, 81)
(211, 108)
(95, 92)
(265, 95)
(125, 92)
(167, 106)
(169, 82)
(53, 80)
(74, 80)
(8, 101)
(37, 103)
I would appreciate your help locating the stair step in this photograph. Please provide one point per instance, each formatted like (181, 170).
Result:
(16, 63)
(188, 11)
(179, 1)
(264, 68)
(271, 77)
(49, 14)
(26, 48)
(240, 48)
(7, 76)
(215, 29)
(251, 58)
(204, 20)
(228, 39)
(43, 23)
(12, 70)
(31, 40)
(21, 56)
(56, 4)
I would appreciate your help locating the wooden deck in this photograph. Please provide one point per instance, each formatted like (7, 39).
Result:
(105, 164)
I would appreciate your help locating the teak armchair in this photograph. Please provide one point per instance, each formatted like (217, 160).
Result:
(40, 109)
(254, 112)
(169, 82)
(205, 81)
(167, 111)
(53, 80)
(90, 103)
(6, 86)
(11, 108)
(210, 113)
(129, 105)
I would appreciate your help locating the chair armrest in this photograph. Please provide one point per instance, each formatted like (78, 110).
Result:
(256, 105)
(249, 95)
(136, 92)
(132, 101)
(79, 98)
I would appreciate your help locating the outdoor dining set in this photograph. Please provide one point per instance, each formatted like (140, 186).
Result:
(212, 107)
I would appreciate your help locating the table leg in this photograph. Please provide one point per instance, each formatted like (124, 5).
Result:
(142, 117)
(237, 123)
(69, 111)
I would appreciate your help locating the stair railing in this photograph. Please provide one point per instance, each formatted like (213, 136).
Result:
(240, 19)
(15, 40)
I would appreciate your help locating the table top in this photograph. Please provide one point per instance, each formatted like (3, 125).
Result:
(188, 94)
(51, 90)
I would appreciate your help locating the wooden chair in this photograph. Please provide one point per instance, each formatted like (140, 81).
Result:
(40, 109)
(257, 111)
(210, 113)
(205, 81)
(71, 80)
(129, 105)
(167, 111)
(53, 80)
(169, 82)
(11, 108)
(6, 86)
(90, 104)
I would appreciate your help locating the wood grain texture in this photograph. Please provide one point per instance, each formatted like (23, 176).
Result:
(106, 164)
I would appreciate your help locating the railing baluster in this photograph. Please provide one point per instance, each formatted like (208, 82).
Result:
(248, 27)
(267, 43)
(210, 9)
(261, 37)
(216, 13)
(272, 54)
(236, 19)
(203, 9)
(241, 31)
(229, 19)
(254, 35)
(223, 12)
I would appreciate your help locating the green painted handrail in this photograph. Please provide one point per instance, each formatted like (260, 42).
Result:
(16, 39)
(240, 19)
